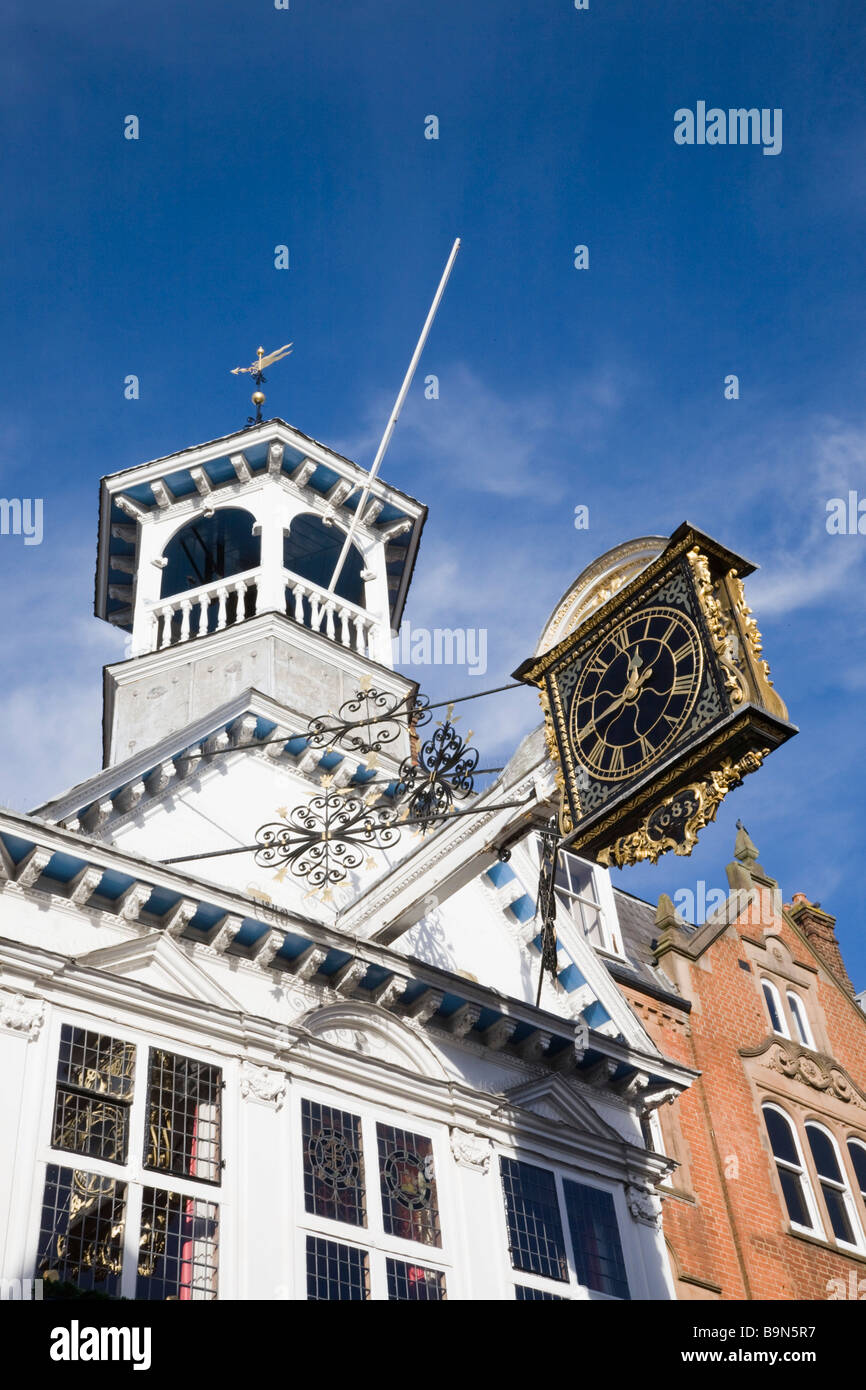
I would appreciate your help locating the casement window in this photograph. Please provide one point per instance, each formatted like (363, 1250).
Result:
(561, 1230)
(834, 1187)
(800, 1019)
(791, 1168)
(778, 1022)
(127, 1113)
(378, 1182)
(580, 888)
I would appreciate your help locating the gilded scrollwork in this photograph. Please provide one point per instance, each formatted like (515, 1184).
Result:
(676, 822)
(723, 632)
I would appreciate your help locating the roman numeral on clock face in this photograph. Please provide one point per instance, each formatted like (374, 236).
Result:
(682, 685)
(682, 652)
(617, 761)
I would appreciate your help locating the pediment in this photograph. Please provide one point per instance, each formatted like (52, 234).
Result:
(554, 1099)
(157, 961)
(370, 1032)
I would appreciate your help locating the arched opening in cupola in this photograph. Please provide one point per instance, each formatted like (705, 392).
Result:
(311, 550)
(202, 554)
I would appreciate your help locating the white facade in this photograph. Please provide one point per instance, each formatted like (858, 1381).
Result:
(265, 1093)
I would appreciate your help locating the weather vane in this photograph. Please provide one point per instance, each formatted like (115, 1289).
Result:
(257, 371)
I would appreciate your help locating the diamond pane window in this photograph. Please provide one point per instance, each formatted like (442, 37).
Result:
(94, 1091)
(408, 1181)
(595, 1238)
(535, 1235)
(524, 1293)
(177, 1255)
(336, 1271)
(333, 1163)
(183, 1114)
(81, 1232)
(412, 1284)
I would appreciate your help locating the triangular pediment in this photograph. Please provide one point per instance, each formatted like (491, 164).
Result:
(157, 961)
(554, 1099)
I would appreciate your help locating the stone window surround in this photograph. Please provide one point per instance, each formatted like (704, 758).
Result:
(799, 1118)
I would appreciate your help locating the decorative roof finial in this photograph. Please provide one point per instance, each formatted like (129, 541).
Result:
(744, 850)
(256, 371)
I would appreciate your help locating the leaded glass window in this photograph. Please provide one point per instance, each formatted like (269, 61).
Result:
(414, 1284)
(177, 1255)
(336, 1271)
(535, 1235)
(333, 1163)
(525, 1293)
(93, 1096)
(408, 1181)
(81, 1231)
(183, 1117)
(595, 1239)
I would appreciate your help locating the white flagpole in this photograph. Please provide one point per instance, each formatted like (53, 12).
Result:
(395, 415)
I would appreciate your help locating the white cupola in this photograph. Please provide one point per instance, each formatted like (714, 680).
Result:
(218, 560)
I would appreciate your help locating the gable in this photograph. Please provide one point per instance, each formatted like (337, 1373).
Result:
(156, 961)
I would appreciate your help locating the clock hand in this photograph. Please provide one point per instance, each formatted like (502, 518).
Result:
(629, 693)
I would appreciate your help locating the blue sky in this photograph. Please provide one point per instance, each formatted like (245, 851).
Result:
(305, 127)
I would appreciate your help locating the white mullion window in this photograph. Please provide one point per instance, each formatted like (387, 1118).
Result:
(130, 1202)
(563, 1233)
(369, 1205)
(833, 1184)
(800, 1019)
(773, 1000)
(791, 1169)
(857, 1155)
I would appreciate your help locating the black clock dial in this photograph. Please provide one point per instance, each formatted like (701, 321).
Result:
(635, 693)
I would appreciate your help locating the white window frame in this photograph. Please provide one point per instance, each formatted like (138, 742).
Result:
(605, 906)
(861, 1144)
(569, 1289)
(858, 1244)
(800, 1019)
(372, 1238)
(132, 1174)
(817, 1229)
(782, 1031)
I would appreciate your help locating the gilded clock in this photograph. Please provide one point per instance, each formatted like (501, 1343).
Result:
(658, 703)
(636, 692)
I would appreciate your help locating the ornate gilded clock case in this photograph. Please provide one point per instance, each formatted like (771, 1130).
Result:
(658, 703)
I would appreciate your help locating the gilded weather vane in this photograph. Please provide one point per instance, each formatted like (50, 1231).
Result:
(257, 371)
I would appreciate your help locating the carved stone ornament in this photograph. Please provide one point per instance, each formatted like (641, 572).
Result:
(263, 1084)
(644, 1205)
(722, 628)
(18, 1014)
(675, 822)
(471, 1150)
(816, 1070)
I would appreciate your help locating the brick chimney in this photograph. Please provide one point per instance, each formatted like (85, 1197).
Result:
(819, 929)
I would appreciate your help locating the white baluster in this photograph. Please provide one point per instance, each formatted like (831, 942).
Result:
(153, 638)
(329, 618)
(316, 613)
(240, 590)
(221, 594)
(185, 608)
(345, 630)
(360, 645)
(165, 613)
(298, 592)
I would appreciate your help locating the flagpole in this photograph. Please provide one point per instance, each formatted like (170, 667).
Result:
(395, 415)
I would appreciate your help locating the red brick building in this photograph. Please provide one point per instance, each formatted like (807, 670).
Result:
(769, 1199)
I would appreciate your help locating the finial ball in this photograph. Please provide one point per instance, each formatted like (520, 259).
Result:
(259, 398)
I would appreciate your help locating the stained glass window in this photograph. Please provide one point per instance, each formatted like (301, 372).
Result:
(81, 1232)
(336, 1271)
(333, 1163)
(595, 1238)
(535, 1235)
(183, 1117)
(412, 1284)
(408, 1181)
(177, 1256)
(94, 1091)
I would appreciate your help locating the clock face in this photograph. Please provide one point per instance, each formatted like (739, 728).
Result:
(635, 693)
